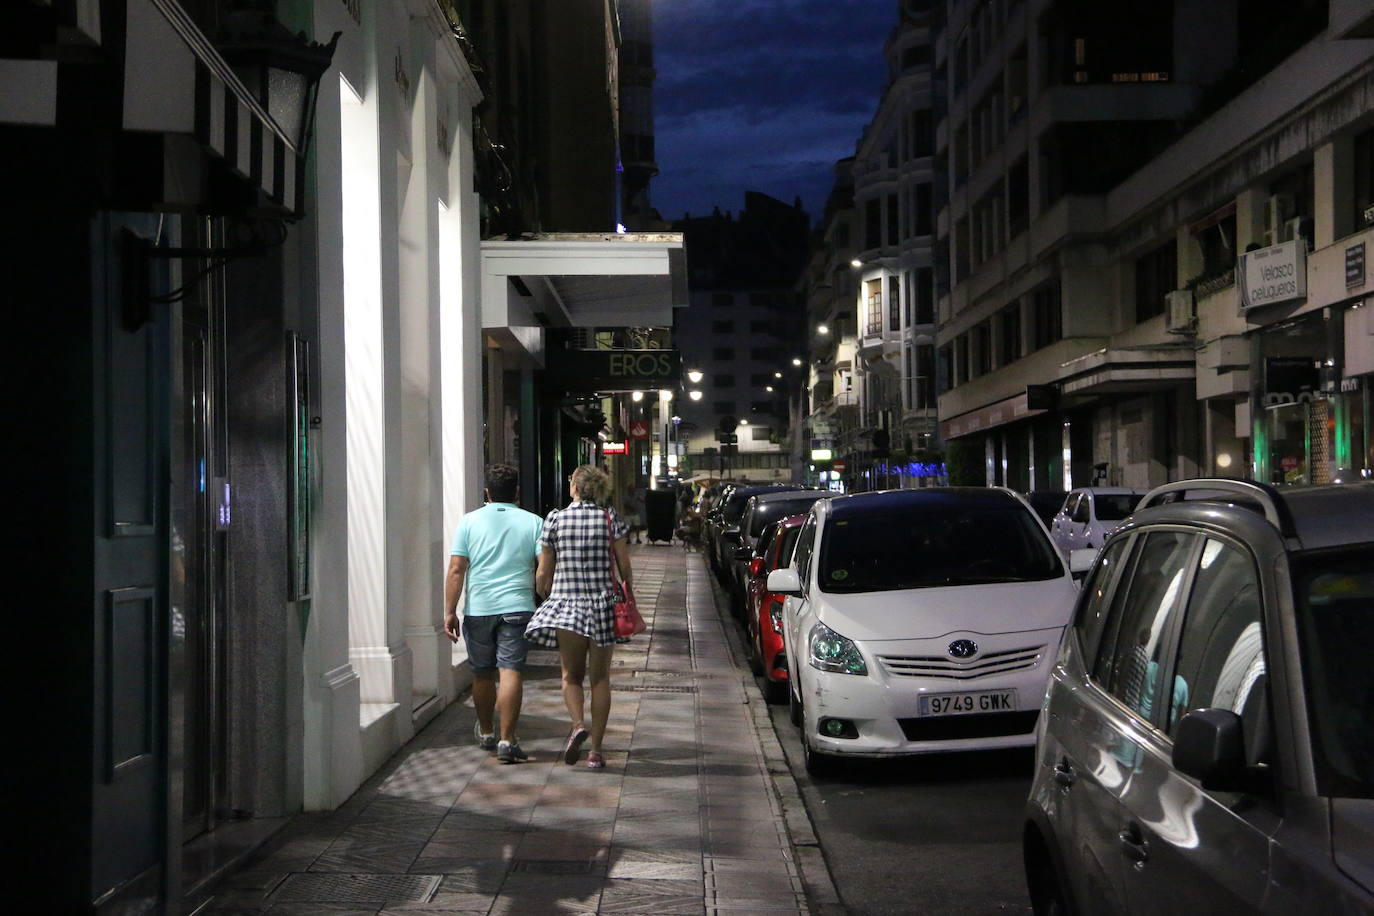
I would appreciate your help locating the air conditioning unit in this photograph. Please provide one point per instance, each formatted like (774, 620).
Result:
(1178, 316)
(1278, 209)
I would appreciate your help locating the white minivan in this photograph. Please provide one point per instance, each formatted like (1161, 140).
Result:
(920, 621)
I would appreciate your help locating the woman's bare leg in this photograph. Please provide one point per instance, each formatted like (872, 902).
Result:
(599, 672)
(572, 651)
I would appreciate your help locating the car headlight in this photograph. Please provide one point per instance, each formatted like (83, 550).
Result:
(829, 651)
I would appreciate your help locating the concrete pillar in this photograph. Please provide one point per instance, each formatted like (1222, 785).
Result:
(1250, 227)
(1333, 178)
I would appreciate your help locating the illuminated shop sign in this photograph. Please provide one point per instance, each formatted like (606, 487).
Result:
(1274, 274)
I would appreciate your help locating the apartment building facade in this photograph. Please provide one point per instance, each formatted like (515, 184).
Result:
(1118, 189)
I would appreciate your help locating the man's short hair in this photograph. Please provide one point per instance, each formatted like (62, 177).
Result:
(502, 483)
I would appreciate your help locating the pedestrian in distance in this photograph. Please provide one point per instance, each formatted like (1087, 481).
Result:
(634, 511)
(495, 554)
(578, 546)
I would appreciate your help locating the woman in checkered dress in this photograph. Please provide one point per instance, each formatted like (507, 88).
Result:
(579, 544)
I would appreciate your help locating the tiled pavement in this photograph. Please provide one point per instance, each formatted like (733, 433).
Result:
(690, 815)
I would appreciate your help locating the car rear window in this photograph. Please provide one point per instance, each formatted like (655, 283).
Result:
(789, 542)
(1334, 592)
(924, 547)
(773, 510)
(1112, 507)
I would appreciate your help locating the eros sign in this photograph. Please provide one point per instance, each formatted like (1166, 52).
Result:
(588, 371)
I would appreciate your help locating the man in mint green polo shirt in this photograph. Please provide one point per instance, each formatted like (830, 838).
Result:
(495, 552)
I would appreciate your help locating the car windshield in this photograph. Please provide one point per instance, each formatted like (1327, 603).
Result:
(950, 544)
(773, 510)
(1334, 592)
(1113, 507)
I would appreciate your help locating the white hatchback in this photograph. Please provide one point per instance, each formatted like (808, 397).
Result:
(920, 621)
(1089, 514)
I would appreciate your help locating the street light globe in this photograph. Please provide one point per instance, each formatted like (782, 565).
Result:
(694, 375)
(822, 329)
(796, 361)
(777, 375)
(636, 396)
(856, 263)
(768, 388)
(665, 395)
(694, 395)
(744, 422)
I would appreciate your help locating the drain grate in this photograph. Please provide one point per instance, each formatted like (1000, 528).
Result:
(554, 866)
(654, 688)
(694, 675)
(378, 889)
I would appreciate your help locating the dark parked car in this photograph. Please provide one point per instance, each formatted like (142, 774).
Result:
(759, 510)
(1207, 744)
(723, 526)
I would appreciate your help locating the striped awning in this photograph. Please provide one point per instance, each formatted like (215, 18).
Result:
(176, 82)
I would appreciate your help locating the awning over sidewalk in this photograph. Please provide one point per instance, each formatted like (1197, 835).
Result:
(583, 280)
(175, 82)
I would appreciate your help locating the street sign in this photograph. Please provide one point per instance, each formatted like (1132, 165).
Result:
(838, 467)
(639, 430)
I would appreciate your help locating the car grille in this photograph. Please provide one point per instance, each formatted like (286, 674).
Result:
(988, 663)
(950, 728)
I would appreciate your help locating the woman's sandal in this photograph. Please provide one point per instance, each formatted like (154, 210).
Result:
(595, 761)
(574, 744)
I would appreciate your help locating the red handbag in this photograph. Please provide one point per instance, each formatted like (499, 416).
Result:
(628, 621)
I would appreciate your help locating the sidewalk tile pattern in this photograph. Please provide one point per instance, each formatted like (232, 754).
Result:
(683, 820)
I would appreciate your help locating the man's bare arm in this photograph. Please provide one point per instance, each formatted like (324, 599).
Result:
(453, 590)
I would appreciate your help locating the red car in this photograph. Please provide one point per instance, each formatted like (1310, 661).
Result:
(763, 612)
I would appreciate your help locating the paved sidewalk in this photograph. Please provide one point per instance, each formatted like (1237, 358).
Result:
(685, 819)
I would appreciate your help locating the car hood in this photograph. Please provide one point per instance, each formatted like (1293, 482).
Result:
(1352, 837)
(929, 613)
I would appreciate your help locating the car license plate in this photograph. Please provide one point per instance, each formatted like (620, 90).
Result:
(964, 704)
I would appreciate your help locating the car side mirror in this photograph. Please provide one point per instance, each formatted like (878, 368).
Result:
(743, 553)
(1209, 745)
(756, 566)
(1081, 560)
(784, 582)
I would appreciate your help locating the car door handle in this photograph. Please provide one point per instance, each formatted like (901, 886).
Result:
(1064, 775)
(1133, 844)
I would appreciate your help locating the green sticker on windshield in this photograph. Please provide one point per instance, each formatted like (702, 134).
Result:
(840, 574)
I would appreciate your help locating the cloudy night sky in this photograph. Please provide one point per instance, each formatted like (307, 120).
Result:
(761, 95)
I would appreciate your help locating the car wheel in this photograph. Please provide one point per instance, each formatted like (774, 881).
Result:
(1046, 891)
(751, 652)
(794, 708)
(818, 764)
(773, 691)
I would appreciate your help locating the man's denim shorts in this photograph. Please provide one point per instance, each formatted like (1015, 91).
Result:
(496, 640)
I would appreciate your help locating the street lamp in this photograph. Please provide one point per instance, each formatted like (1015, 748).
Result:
(822, 329)
(777, 375)
(636, 396)
(768, 388)
(694, 394)
(856, 263)
(694, 376)
(665, 395)
(796, 361)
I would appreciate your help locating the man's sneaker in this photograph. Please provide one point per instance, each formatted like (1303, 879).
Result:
(510, 752)
(485, 742)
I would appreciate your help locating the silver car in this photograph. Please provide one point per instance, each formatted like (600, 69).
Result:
(1207, 743)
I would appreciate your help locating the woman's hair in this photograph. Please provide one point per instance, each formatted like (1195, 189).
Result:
(592, 483)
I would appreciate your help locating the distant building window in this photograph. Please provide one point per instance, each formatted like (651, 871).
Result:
(916, 56)
(923, 381)
(764, 353)
(1218, 243)
(1018, 197)
(723, 353)
(925, 296)
(1045, 306)
(925, 213)
(873, 224)
(893, 219)
(1156, 274)
(762, 326)
(982, 349)
(1011, 334)
(894, 303)
(760, 433)
(922, 133)
(724, 408)
(1364, 180)
(722, 327)
(944, 377)
(759, 378)
(761, 407)
(724, 381)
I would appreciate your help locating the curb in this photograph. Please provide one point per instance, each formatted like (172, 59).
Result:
(821, 896)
